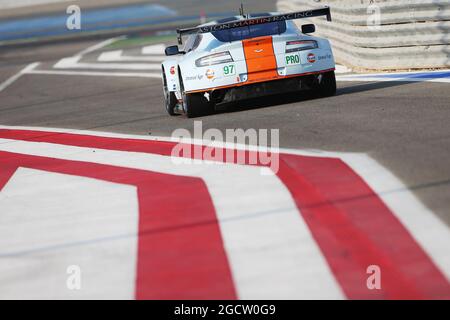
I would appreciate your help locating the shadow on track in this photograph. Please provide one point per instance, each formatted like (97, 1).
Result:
(370, 86)
(276, 100)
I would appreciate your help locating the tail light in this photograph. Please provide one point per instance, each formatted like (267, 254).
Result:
(300, 45)
(216, 58)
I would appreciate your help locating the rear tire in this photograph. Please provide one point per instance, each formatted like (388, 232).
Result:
(170, 100)
(327, 86)
(195, 104)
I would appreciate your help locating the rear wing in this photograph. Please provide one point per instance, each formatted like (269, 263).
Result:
(254, 21)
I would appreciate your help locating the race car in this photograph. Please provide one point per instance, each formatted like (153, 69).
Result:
(243, 57)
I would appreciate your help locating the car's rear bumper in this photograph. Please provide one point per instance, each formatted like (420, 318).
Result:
(246, 83)
(265, 88)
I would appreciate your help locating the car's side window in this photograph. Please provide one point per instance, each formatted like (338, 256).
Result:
(192, 42)
(189, 43)
(198, 39)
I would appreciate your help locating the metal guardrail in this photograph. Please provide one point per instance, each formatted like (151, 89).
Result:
(411, 33)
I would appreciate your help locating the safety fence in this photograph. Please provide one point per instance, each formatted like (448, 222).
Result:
(384, 34)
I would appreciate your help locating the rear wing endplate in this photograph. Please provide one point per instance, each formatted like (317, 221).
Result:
(254, 21)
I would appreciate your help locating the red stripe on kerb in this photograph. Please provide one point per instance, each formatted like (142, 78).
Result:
(355, 229)
(82, 140)
(350, 223)
(180, 249)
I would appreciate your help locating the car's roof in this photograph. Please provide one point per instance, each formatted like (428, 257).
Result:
(209, 41)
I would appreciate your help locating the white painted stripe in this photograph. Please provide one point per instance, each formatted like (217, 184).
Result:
(51, 221)
(271, 251)
(73, 63)
(154, 49)
(117, 55)
(401, 76)
(382, 79)
(310, 152)
(14, 78)
(100, 45)
(403, 73)
(416, 218)
(96, 73)
(342, 69)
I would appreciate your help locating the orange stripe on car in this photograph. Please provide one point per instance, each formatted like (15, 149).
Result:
(260, 59)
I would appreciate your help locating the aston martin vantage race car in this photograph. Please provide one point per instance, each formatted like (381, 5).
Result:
(246, 56)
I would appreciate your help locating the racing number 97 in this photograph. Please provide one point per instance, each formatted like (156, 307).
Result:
(228, 70)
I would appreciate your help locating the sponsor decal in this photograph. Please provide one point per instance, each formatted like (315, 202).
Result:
(292, 59)
(196, 77)
(229, 70)
(311, 58)
(209, 73)
(324, 57)
(172, 70)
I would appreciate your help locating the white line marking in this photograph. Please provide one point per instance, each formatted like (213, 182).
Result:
(100, 45)
(402, 77)
(429, 231)
(271, 251)
(403, 73)
(342, 69)
(51, 221)
(154, 49)
(381, 79)
(96, 74)
(12, 79)
(73, 63)
(117, 55)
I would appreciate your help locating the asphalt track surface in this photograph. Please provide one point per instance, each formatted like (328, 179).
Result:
(403, 125)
